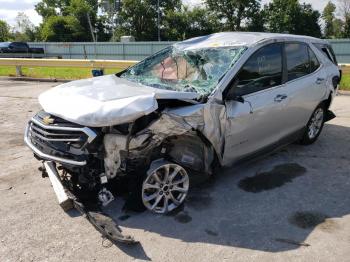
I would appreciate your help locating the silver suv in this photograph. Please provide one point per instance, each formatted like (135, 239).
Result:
(155, 128)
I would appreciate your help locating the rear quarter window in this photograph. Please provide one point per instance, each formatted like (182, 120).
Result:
(327, 50)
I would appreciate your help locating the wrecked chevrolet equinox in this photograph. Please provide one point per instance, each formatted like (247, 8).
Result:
(154, 128)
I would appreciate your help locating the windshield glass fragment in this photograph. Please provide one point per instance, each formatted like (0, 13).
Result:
(196, 71)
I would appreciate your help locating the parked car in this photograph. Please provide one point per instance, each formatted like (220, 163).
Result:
(176, 116)
(19, 49)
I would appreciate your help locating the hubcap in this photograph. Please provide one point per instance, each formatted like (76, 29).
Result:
(315, 123)
(165, 188)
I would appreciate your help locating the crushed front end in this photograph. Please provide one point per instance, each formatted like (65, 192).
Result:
(75, 155)
(97, 164)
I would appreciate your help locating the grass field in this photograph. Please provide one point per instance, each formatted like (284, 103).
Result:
(345, 83)
(80, 73)
(53, 72)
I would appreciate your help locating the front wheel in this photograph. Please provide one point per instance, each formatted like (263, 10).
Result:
(314, 126)
(165, 187)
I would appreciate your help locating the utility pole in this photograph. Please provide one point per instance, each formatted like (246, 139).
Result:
(91, 29)
(158, 20)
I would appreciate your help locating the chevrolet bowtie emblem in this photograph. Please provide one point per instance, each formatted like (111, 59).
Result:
(48, 120)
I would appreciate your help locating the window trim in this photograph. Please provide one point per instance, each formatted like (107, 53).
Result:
(282, 43)
(318, 60)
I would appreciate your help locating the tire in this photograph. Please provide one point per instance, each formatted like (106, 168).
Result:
(314, 126)
(165, 187)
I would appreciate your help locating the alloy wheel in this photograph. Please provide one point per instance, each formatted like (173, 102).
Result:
(315, 124)
(165, 188)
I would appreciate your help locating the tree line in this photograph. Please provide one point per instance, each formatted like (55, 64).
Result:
(108, 20)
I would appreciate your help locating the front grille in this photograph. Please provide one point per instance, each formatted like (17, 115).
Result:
(74, 138)
(58, 137)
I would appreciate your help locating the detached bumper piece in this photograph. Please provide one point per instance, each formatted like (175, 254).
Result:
(92, 212)
(63, 199)
(108, 228)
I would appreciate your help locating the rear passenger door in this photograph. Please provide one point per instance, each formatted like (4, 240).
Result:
(306, 84)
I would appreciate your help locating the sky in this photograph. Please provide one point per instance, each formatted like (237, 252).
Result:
(10, 8)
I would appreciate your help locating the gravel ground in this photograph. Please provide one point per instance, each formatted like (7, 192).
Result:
(293, 205)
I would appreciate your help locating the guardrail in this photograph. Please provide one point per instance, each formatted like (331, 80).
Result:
(80, 63)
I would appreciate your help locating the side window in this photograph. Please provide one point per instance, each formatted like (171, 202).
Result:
(314, 63)
(331, 51)
(19, 45)
(262, 70)
(327, 51)
(298, 64)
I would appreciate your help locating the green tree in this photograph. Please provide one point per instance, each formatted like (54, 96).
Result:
(232, 13)
(49, 8)
(24, 29)
(62, 29)
(188, 23)
(346, 27)
(344, 8)
(257, 20)
(289, 16)
(328, 16)
(309, 24)
(338, 26)
(4, 31)
(139, 18)
(82, 10)
(72, 13)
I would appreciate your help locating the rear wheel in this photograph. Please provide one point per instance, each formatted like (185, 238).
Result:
(165, 187)
(314, 126)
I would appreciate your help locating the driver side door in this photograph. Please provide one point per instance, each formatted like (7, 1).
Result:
(254, 105)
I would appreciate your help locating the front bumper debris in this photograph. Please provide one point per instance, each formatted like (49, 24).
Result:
(63, 200)
(92, 212)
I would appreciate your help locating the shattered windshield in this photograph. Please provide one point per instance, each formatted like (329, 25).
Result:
(196, 70)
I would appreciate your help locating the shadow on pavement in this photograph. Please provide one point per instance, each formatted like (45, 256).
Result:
(312, 189)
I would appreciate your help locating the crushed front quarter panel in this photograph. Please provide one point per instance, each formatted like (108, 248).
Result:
(208, 119)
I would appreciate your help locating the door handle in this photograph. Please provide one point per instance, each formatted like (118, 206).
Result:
(319, 80)
(280, 98)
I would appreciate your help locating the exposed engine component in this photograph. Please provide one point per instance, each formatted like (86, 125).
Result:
(105, 196)
(113, 144)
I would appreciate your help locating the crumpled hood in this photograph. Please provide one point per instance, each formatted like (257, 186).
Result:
(105, 101)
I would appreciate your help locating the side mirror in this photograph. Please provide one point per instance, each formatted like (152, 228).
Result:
(235, 97)
(239, 99)
(232, 94)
